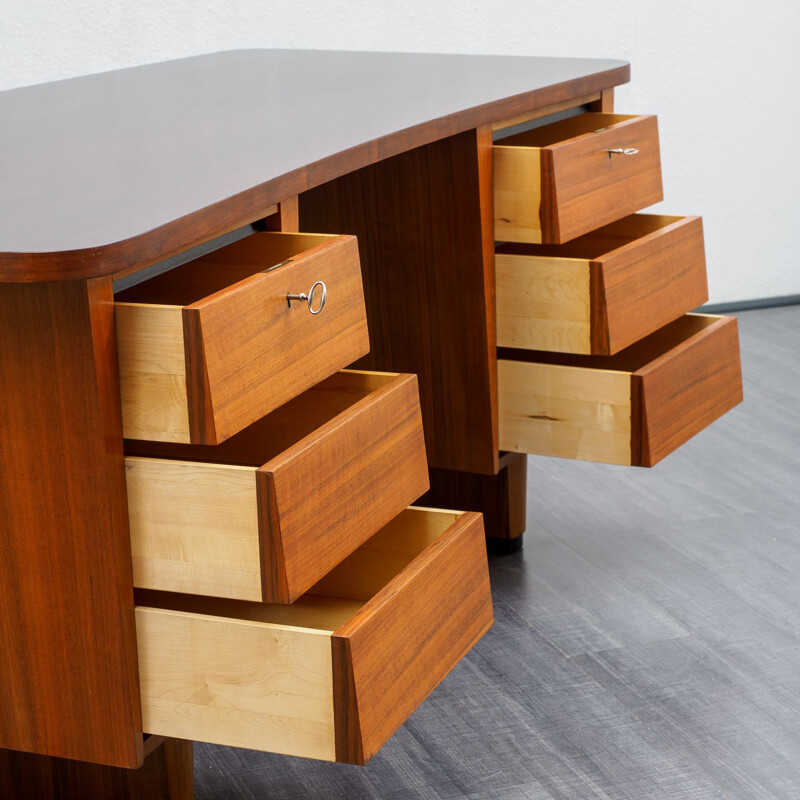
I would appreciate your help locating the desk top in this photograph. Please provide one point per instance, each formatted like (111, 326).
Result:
(105, 172)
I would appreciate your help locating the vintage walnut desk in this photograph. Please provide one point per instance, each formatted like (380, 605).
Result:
(234, 292)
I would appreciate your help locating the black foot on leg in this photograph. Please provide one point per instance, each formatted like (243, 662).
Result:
(496, 546)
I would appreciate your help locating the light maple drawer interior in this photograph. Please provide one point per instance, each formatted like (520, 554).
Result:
(631, 408)
(211, 346)
(559, 181)
(603, 291)
(335, 674)
(267, 513)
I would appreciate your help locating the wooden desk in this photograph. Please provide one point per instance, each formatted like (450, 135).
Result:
(108, 174)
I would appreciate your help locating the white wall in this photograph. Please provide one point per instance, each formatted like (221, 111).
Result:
(721, 74)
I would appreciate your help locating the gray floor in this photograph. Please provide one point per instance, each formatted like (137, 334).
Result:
(646, 642)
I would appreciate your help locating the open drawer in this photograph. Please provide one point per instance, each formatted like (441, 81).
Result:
(631, 408)
(558, 181)
(603, 291)
(267, 513)
(335, 674)
(213, 345)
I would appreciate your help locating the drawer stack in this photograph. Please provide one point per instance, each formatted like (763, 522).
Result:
(289, 599)
(598, 356)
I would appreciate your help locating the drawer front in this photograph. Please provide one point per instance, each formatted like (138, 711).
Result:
(549, 189)
(685, 390)
(335, 674)
(267, 513)
(633, 408)
(603, 291)
(245, 349)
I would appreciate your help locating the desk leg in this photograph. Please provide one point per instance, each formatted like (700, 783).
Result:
(167, 774)
(500, 498)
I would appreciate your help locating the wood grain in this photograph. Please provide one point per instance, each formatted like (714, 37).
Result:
(543, 303)
(259, 353)
(603, 291)
(558, 181)
(517, 193)
(598, 408)
(194, 527)
(237, 682)
(423, 223)
(586, 188)
(393, 652)
(286, 499)
(167, 774)
(326, 495)
(152, 363)
(285, 216)
(246, 351)
(687, 389)
(606, 102)
(68, 678)
(648, 283)
(564, 411)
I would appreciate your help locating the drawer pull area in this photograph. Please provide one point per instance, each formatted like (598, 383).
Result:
(308, 299)
(210, 347)
(333, 675)
(558, 181)
(268, 512)
(603, 291)
(634, 407)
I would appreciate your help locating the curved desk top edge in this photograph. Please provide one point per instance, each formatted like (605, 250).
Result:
(336, 112)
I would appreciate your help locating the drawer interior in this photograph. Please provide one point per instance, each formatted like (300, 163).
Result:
(280, 429)
(596, 244)
(220, 269)
(333, 675)
(564, 129)
(265, 514)
(341, 593)
(639, 355)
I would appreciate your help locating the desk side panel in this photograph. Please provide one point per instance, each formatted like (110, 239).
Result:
(68, 674)
(426, 247)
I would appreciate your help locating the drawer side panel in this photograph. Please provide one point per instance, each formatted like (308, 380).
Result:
(568, 412)
(235, 682)
(194, 527)
(152, 372)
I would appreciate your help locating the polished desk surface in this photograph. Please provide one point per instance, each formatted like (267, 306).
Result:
(107, 172)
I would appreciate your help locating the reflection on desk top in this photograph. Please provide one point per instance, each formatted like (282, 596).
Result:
(103, 172)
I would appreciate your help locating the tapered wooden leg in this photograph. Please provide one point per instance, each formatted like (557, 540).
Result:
(500, 498)
(167, 774)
